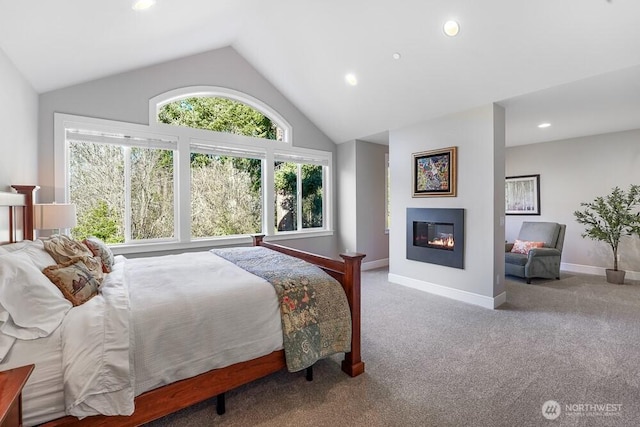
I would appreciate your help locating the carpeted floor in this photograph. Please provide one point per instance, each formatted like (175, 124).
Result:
(432, 361)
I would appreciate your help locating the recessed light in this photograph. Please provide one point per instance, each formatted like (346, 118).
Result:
(396, 55)
(142, 4)
(544, 125)
(451, 28)
(351, 79)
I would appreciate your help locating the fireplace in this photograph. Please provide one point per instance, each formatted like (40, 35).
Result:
(436, 236)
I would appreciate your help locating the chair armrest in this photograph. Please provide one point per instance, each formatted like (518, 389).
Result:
(540, 252)
(508, 247)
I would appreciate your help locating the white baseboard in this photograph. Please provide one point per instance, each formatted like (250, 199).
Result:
(371, 265)
(596, 271)
(456, 294)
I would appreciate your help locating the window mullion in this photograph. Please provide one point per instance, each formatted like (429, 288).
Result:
(299, 196)
(183, 194)
(127, 194)
(268, 191)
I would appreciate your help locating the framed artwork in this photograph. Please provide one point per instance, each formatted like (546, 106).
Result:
(434, 173)
(522, 195)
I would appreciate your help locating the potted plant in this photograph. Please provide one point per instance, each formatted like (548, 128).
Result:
(610, 218)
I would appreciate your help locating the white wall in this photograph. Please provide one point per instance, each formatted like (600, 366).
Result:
(19, 124)
(371, 199)
(573, 171)
(362, 201)
(346, 197)
(125, 97)
(479, 136)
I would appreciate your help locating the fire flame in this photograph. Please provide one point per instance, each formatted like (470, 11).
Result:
(447, 242)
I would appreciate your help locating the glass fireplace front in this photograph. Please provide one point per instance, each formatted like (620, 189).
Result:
(436, 235)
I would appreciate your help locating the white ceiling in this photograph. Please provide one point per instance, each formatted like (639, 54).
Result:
(574, 63)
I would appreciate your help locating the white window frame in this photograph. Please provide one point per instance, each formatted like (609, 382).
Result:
(300, 158)
(184, 137)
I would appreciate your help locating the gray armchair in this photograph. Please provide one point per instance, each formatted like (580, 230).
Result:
(541, 262)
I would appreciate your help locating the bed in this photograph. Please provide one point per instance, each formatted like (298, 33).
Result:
(158, 394)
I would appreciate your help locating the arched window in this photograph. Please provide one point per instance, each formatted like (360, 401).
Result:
(220, 110)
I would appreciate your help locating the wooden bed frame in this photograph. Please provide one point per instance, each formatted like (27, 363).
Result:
(173, 397)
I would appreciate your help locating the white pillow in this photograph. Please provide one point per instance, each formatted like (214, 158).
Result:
(35, 305)
(34, 249)
(37, 254)
(12, 247)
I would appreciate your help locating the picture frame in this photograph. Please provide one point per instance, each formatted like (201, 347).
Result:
(434, 173)
(522, 195)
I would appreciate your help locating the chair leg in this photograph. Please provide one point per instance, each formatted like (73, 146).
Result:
(309, 375)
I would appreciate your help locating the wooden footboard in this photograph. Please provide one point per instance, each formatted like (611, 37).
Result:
(347, 272)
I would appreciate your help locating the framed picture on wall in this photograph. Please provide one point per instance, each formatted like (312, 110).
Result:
(522, 195)
(434, 173)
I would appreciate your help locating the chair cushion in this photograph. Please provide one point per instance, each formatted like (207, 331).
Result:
(546, 232)
(515, 258)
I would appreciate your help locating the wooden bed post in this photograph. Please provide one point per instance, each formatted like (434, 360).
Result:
(29, 192)
(352, 363)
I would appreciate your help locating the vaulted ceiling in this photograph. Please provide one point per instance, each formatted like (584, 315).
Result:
(572, 63)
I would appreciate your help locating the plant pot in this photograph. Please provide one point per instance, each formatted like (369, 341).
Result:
(615, 276)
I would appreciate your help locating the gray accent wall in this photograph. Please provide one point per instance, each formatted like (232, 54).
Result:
(479, 136)
(573, 171)
(125, 97)
(362, 200)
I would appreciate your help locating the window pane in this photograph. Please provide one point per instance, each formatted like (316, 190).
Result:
(286, 183)
(220, 115)
(152, 208)
(311, 196)
(226, 195)
(96, 186)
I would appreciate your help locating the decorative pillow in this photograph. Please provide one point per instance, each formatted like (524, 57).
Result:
(524, 246)
(64, 249)
(32, 307)
(100, 249)
(78, 279)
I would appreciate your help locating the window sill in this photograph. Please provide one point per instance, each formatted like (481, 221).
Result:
(245, 240)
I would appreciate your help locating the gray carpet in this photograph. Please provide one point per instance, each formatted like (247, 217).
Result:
(431, 361)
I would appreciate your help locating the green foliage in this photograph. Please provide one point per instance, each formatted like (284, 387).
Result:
(218, 114)
(101, 222)
(611, 217)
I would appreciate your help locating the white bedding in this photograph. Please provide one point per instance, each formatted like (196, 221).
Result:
(190, 313)
(42, 396)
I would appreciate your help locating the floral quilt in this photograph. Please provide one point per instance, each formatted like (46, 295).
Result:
(316, 321)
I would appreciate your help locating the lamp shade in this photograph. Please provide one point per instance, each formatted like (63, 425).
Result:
(52, 216)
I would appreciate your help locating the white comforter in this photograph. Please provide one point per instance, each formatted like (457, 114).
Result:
(159, 320)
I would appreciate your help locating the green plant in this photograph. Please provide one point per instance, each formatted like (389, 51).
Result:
(611, 217)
